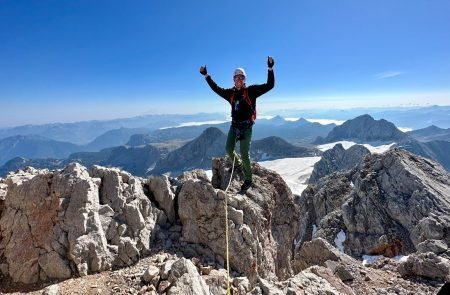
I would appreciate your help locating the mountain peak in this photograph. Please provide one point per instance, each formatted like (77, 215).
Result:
(364, 128)
(211, 132)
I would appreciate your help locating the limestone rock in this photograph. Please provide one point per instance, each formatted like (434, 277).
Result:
(185, 279)
(54, 266)
(386, 206)
(262, 226)
(334, 281)
(165, 269)
(427, 265)
(134, 216)
(435, 246)
(398, 195)
(317, 252)
(51, 290)
(72, 222)
(338, 159)
(310, 284)
(268, 288)
(217, 281)
(196, 174)
(150, 273)
(320, 206)
(162, 191)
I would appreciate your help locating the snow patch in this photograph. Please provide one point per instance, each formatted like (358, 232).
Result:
(370, 259)
(266, 117)
(295, 171)
(405, 129)
(347, 144)
(326, 121)
(195, 124)
(314, 229)
(209, 174)
(401, 258)
(339, 240)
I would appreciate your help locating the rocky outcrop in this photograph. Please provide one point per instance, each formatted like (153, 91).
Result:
(387, 205)
(262, 223)
(73, 222)
(338, 159)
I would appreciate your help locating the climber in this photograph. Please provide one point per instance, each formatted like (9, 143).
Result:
(242, 99)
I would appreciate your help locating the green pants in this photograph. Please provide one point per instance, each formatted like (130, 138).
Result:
(245, 149)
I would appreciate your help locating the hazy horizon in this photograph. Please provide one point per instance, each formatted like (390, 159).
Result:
(320, 115)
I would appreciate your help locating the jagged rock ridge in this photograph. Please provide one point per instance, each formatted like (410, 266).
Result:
(388, 205)
(98, 218)
(338, 159)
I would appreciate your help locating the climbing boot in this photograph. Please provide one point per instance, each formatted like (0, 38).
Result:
(246, 185)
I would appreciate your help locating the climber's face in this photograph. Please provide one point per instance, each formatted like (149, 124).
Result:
(239, 81)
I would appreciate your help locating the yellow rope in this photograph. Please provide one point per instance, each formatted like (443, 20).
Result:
(226, 229)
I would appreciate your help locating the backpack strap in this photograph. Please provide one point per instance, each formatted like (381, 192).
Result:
(247, 100)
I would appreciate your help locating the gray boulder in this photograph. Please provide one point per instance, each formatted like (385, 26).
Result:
(185, 279)
(426, 265)
(435, 246)
(318, 252)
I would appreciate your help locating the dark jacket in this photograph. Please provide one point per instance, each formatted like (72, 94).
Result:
(240, 110)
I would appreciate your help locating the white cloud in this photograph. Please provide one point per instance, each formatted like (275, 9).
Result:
(388, 74)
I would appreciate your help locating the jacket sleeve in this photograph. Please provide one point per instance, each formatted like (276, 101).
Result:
(225, 93)
(258, 90)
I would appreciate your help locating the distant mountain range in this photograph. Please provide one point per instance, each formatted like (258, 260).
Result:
(298, 132)
(159, 151)
(83, 133)
(413, 117)
(430, 133)
(365, 129)
(161, 158)
(34, 146)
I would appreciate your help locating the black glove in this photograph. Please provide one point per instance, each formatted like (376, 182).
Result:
(270, 61)
(203, 70)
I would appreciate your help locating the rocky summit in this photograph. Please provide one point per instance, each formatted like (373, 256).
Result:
(102, 230)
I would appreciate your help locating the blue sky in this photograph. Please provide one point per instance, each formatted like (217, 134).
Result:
(75, 60)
